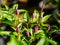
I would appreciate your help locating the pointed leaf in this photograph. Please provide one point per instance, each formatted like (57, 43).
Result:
(15, 6)
(7, 8)
(41, 42)
(5, 32)
(45, 18)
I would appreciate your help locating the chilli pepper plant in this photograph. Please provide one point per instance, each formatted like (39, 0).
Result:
(27, 29)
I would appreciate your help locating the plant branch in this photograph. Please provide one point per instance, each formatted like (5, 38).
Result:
(43, 5)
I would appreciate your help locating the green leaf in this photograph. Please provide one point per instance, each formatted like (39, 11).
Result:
(13, 28)
(37, 15)
(14, 41)
(22, 43)
(7, 8)
(45, 24)
(5, 32)
(4, 12)
(54, 27)
(9, 17)
(11, 11)
(41, 42)
(7, 22)
(15, 33)
(45, 18)
(15, 6)
(20, 25)
(26, 16)
(52, 42)
(31, 31)
(40, 34)
(22, 10)
(58, 21)
(58, 18)
(58, 15)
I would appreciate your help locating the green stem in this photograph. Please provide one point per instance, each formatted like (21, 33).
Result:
(39, 21)
(18, 37)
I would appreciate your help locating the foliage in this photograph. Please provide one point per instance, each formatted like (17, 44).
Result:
(23, 21)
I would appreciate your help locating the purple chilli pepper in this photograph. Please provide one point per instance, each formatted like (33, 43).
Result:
(48, 28)
(18, 30)
(17, 11)
(35, 29)
(27, 33)
(33, 16)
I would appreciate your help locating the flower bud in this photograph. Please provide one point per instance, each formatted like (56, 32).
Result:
(35, 29)
(33, 15)
(27, 33)
(18, 30)
(17, 11)
(48, 28)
